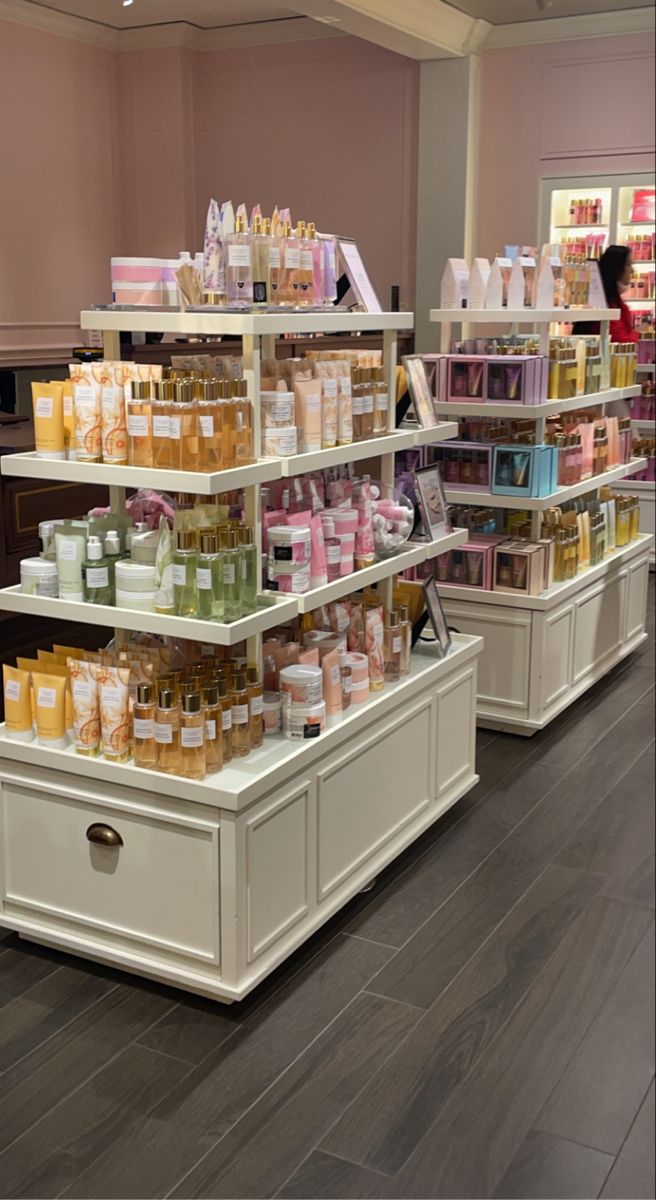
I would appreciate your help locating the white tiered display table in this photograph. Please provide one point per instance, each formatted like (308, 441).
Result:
(542, 652)
(210, 885)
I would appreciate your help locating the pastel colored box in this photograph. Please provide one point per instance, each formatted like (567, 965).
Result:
(467, 464)
(524, 470)
(470, 565)
(466, 377)
(519, 568)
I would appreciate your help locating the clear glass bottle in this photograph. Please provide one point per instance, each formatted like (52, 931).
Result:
(345, 680)
(356, 401)
(241, 717)
(248, 570)
(381, 402)
(185, 590)
(187, 409)
(305, 292)
(368, 403)
(192, 737)
(231, 570)
(273, 258)
(318, 264)
(239, 264)
(95, 574)
(113, 555)
(256, 706)
(291, 266)
(226, 716)
(209, 425)
(212, 716)
(209, 578)
(392, 645)
(167, 732)
(228, 429)
(406, 639)
(139, 421)
(144, 746)
(261, 264)
(161, 412)
(243, 415)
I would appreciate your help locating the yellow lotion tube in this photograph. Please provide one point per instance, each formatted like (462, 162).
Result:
(69, 419)
(18, 707)
(51, 668)
(50, 703)
(113, 695)
(86, 712)
(48, 406)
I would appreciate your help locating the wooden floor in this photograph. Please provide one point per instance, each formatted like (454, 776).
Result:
(481, 1024)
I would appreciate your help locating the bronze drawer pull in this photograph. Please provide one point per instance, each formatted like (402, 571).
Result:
(103, 835)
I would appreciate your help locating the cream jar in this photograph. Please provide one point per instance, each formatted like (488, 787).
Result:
(143, 601)
(278, 411)
(280, 442)
(301, 684)
(301, 722)
(272, 713)
(134, 577)
(38, 577)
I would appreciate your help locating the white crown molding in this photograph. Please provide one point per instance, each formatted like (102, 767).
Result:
(39, 16)
(419, 29)
(565, 29)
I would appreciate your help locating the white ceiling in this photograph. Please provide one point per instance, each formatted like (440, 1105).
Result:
(505, 12)
(204, 14)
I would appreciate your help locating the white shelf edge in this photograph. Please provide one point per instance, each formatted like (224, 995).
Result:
(206, 483)
(538, 503)
(246, 324)
(438, 433)
(519, 316)
(413, 554)
(641, 487)
(297, 464)
(645, 368)
(528, 412)
(244, 780)
(647, 423)
(450, 541)
(276, 610)
(558, 592)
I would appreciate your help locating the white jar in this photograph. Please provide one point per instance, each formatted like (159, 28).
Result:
(143, 601)
(38, 577)
(134, 577)
(302, 722)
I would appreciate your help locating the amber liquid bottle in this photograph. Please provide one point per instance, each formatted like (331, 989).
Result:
(256, 706)
(392, 646)
(192, 737)
(167, 733)
(139, 412)
(243, 415)
(162, 408)
(241, 717)
(226, 717)
(144, 749)
(212, 716)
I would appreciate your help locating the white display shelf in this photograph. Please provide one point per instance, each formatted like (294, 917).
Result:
(215, 323)
(520, 316)
(245, 780)
(649, 424)
(641, 487)
(528, 412)
(437, 433)
(539, 503)
(297, 464)
(555, 594)
(575, 228)
(646, 368)
(645, 302)
(414, 554)
(273, 609)
(205, 483)
(643, 262)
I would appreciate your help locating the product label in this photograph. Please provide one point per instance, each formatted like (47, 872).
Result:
(97, 577)
(163, 733)
(174, 428)
(206, 426)
(282, 553)
(311, 731)
(46, 697)
(381, 401)
(226, 719)
(68, 549)
(292, 257)
(83, 393)
(239, 254)
(362, 686)
(179, 575)
(192, 736)
(257, 706)
(334, 675)
(329, 388)
(306, 260)
(204, 578)
(161, 427)
(228, 573)
(333, 554)
(368, 403)
(210, 731)
(43, 407)
(144, 729)
(47, 586)
(313, 404)
(396, 645)
(12, 690)
(358, 405)
(346, 685)
(138, 426)
(240, 714)
(81, 689)
(274, 256)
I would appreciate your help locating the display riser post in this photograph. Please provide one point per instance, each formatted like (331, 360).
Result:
(252, 353)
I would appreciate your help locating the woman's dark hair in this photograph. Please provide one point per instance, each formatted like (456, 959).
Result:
(611, 266)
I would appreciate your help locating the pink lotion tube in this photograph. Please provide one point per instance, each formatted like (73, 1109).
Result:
(318, 568)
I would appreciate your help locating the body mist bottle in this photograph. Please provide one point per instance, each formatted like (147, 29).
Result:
(167, 732)
(241, 717)
(239, 263)
(185, 589)
(212, 716)
(248, 566)
(256, 706)
(192, 737)
(95, 574)
(209, 578)
(144, 749)
(392, 644)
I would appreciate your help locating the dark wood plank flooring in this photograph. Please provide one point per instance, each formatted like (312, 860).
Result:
(481, 1024)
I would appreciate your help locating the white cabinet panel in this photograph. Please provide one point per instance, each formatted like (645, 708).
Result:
(503, 668)
(598, 634)
(456, 712)
(276, 868)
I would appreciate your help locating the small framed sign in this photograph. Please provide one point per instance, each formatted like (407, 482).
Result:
(432, 501)
(358, 278)
(436, 614)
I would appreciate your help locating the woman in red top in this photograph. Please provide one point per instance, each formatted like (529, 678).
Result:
(615, 266)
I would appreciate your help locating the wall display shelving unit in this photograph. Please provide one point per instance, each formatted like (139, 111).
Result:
(542, 652)
(215, 882)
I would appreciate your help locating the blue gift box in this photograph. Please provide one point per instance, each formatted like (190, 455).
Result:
(519, 470)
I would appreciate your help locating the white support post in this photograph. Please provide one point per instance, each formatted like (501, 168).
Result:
(390, 351)
(112, 345)
(445, 337)
(252, 361)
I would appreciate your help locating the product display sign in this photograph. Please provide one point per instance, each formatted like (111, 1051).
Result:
(432, 501)
(419, 389)
(436, 614)
(358, 278)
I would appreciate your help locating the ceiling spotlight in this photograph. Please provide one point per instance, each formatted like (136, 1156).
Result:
(127, 3)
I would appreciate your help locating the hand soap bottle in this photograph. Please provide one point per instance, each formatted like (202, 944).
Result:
(185, 591)
(209, 578)
(167, 732)
(144, 750)
(95, 574)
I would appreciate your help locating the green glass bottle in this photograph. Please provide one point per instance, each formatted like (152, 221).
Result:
(113, 555)
(231, 570)
(95, 574)
(185, 591)
(209, 578)
(248, 555)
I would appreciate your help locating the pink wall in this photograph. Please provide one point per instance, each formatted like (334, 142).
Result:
(328, 128)
(568, 108)
(58, 214)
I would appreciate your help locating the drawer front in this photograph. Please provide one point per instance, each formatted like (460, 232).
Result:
(158, 888)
